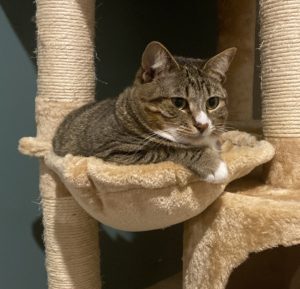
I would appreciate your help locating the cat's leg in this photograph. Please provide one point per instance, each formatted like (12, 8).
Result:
(207, 164)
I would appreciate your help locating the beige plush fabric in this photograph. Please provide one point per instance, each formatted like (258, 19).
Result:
(146, 197)
(284, 169)
(249, 217)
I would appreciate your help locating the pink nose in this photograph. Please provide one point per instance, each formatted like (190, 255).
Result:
(201, 126)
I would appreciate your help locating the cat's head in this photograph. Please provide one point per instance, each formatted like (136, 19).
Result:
(182, 99)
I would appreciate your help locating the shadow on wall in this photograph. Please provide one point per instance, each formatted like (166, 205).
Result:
(123, 30)
(137, 259)
(186, 28)
(21, 17)
(276, 268)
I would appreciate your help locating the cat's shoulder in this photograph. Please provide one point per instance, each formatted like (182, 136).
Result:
(97, 104)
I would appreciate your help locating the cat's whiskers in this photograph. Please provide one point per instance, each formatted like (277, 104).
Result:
(143, 143)
(224, 127)
(146, 140)
(230, 124)
(218, 130)
(184, 129)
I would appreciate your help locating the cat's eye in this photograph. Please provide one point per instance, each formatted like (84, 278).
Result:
(212, 102)
(179, 102)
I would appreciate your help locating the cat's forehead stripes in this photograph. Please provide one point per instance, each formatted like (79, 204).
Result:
(197, 83)
(187, 91)
(192, 75)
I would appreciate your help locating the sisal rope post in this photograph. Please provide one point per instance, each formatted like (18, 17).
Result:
(280, 80)
(66, 80)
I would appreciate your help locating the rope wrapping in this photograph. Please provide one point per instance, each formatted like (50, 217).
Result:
(280, 80)
(66, 80)
(66, 49)
(72, 254)
(280, 74)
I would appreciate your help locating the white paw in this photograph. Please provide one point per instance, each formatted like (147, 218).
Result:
(220, 175)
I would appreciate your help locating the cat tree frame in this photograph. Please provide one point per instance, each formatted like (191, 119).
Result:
(256, 217)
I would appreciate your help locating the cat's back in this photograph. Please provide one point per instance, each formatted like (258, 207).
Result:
(73, 134)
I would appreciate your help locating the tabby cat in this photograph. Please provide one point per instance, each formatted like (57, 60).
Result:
(174, 111)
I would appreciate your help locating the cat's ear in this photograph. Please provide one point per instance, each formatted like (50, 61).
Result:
(218, 65)
(155, 60)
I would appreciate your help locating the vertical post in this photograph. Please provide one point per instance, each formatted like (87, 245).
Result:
(66, 80)
(280, 78)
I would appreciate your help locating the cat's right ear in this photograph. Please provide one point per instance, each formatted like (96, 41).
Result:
(155, 60)
(218, 65)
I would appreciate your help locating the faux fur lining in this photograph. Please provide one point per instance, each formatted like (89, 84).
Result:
(248, 217)
(145, 197)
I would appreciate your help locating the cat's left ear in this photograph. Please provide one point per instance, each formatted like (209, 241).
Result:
(155, 60)
(218, 65)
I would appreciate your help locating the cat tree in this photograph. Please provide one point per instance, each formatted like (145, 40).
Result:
(250, 216)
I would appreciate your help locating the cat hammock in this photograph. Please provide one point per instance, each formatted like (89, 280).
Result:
(250, 216)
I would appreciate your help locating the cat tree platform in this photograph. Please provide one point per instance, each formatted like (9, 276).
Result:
(147, 197)
(249, 217)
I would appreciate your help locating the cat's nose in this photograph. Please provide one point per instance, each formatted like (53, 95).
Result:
(201, 126)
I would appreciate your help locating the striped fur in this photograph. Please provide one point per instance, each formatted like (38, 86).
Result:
(142, 125)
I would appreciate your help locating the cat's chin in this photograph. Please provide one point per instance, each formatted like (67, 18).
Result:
(166, 135)
(199, 140)
(207, 140)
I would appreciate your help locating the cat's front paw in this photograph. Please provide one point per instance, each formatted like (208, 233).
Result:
(220, 175)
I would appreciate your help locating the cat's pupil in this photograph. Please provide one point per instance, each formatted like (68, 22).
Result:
(212, 102)
(179, 102)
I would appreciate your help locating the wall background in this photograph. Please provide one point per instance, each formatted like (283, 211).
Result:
(21, 261)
